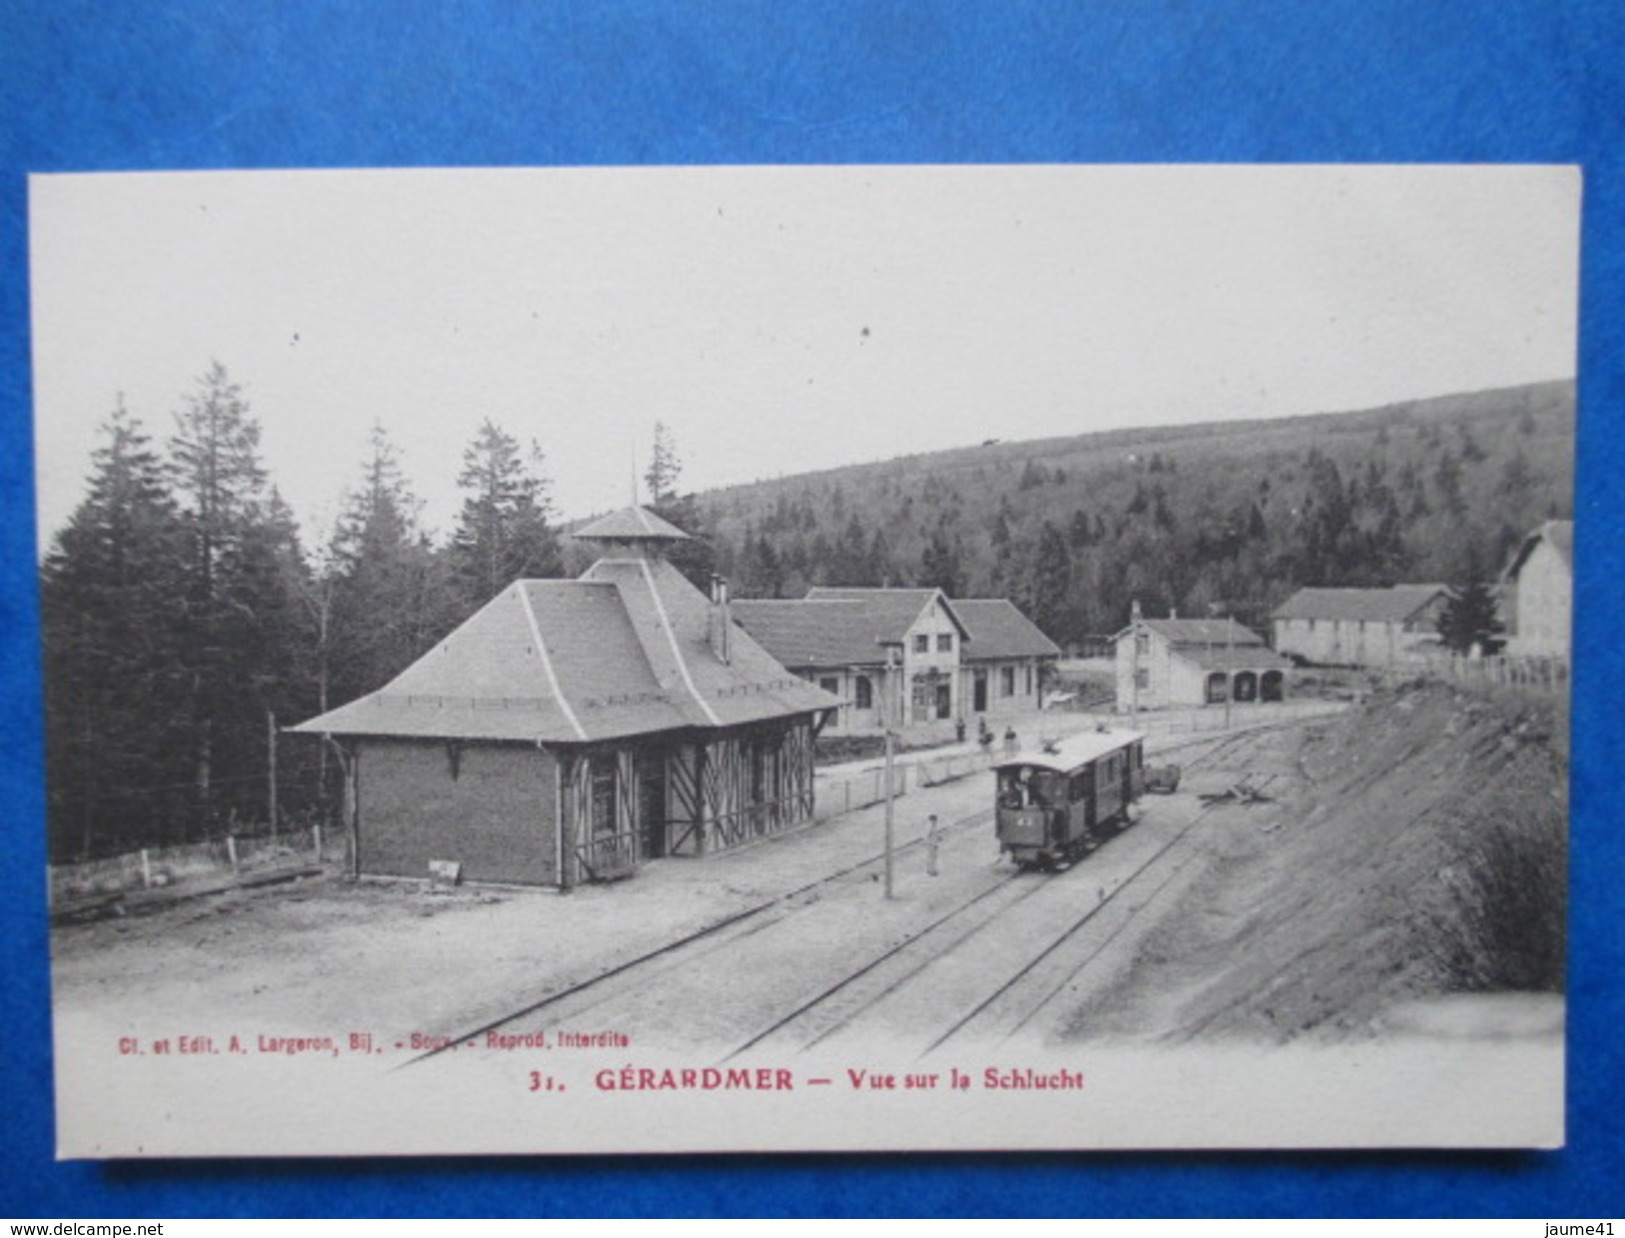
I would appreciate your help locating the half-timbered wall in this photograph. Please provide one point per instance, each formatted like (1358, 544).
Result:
(488, 807)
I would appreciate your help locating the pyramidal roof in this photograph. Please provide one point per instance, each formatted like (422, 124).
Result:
(631, 524)
(625, 650)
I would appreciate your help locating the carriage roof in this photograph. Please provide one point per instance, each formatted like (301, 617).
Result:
(1068, 754)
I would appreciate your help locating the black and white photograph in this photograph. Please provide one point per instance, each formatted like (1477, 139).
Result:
(806, 658)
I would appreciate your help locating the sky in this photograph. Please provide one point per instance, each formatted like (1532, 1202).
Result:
(776, 320)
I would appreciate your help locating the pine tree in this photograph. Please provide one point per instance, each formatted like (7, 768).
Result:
(1051, 581)
(389, 598)
(503, 534)
(220, 484)
(1469, 619)
(941, 564)
(664, 467)
(115, 683)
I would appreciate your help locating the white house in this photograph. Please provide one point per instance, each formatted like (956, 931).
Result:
(1360, 627)
(1538, 592)
(1172, 662)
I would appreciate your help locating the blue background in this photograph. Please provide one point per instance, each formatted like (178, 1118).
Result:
(212, 84)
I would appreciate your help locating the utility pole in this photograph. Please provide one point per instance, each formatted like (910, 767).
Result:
(893, 682)
(1134, 679)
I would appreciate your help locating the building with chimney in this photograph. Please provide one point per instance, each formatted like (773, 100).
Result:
(571, 730)
(1177, 662)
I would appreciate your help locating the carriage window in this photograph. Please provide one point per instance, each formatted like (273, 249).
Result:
(1010, 790)
(1080, 786)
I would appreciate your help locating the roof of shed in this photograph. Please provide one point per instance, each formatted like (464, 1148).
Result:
(1559, 534)
(1394, 604)
(812, 631)
(1179, 632)
(623, 651)
(998, 629)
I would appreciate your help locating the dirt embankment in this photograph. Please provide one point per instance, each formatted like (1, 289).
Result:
(1423, 854)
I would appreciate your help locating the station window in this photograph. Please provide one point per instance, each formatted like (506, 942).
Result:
(864, 693)
(830, 685)
(922, 643)
(1007, 681)
(603, 795)
(945, 642)
(1142, 678)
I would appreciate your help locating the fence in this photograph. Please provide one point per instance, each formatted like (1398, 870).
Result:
(868, 787)
(1546, 676)
(1213, 718)
(156, 867)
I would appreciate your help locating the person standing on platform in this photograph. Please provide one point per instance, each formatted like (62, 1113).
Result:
(933, 842)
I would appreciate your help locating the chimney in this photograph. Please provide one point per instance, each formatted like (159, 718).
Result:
(721, 619)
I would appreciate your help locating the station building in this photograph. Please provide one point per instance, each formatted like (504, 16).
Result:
(572, 729)
(913, 656)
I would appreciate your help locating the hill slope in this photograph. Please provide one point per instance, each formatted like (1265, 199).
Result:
(1424, 855)
(1239, 513)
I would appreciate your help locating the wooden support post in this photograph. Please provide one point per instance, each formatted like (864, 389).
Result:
(231, 850)
(146, 869)
(316, 836)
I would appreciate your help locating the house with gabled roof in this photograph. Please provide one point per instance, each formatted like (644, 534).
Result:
(571, 729)
(1360, 627)
(1538, 592)
(913, 655)
(1172, 662)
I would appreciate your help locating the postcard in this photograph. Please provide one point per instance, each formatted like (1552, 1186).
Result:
(806, 658)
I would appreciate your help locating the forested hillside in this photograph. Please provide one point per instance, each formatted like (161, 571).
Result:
(1237, 515)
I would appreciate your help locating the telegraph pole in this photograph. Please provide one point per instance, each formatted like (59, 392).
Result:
(891, 707)
(1229, 662)
(1134, 678)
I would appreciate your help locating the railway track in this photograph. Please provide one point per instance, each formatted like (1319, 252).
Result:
(602, 987)
(922, 971)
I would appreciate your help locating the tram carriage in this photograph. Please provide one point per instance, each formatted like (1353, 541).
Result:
(1060, 802)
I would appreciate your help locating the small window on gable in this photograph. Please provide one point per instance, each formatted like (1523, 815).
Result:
(922, 643)
(1142, 643)
(945, 642)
